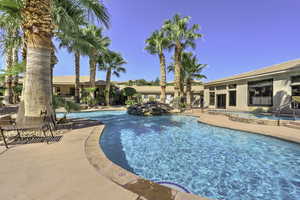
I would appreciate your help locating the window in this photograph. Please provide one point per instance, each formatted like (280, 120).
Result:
(57, 90)
(157, 96)
(296, 79)
(296, 92)
(260, 93)
(145, 96)
(211, 98)
(232, 98)
(222, 87)
(232, 86)
(72, 91)
(212, 88)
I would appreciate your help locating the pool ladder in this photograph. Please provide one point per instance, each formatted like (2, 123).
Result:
(278, 112)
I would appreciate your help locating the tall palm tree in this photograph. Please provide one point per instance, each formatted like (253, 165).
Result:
(10, 43)
(38, 25)
(182, 36)
(112, 63)
(100, 44)
(192, 70)
(156, 44)
(79, 44)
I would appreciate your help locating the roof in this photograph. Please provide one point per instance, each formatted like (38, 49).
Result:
(70, 80)
(156, 89)
(279, 68)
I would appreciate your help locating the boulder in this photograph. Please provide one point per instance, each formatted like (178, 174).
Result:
(149, 109)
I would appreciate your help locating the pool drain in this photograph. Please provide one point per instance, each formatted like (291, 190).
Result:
(173, 186)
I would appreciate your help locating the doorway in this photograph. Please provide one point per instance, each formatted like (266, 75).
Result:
(221, 101)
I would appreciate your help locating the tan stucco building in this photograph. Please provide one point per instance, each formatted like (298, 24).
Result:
(153, 92)
(65, 85)
(265, 89)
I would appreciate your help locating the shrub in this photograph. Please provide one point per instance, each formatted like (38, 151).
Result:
(151, 98)
(130, 102)
(69, 106)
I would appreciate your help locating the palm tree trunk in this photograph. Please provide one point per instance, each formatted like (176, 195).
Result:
(189, 93)
(77, 76)
(37, 25)
(24, 56)
(16, 77)
(8, 93)
(182, 93)
(53, 62)
(107, 87)
(177, 71)
(93, 73)
(162, 78)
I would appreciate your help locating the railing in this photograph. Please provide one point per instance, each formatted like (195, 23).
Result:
(279, 109)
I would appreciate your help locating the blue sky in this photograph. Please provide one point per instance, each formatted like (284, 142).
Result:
(238, 35)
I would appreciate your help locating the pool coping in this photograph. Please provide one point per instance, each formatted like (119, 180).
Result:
(249, 120)
(236, 126)
(123, 178)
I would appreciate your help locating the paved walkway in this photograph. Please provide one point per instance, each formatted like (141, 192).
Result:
(281, 132)
(55, 171)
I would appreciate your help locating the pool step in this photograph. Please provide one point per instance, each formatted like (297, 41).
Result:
(295, 125)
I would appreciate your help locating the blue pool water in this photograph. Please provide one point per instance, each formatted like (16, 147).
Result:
(208, 161)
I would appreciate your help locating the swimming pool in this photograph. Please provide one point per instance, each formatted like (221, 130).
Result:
(208, 161)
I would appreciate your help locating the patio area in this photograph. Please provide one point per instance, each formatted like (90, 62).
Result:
(55, 171)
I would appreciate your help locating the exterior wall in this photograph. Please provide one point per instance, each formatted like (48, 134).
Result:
(206, 98)
(147, 97)
(64, 89)
(281, 93)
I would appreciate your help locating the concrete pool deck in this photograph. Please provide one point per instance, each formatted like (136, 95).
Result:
(73, 168)
(55, 171)
(281, 132)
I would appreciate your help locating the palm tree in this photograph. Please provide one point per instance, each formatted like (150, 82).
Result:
(156, 44)
(10, 43)
(112, 63)
(182, 37)
(38, 26)
(79, 44)
(100, 44)
(192, 70)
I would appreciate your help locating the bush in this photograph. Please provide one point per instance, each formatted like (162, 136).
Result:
(179, 103)
(69, 106)
(128, 91)
(152, 98)
(137, 97)
(130, 102)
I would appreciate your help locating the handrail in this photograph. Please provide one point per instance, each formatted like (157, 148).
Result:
(283, 106)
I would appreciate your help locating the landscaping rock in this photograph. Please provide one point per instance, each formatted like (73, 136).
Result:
(149, 109)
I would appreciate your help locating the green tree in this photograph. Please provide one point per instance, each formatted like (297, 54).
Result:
(181, 36)
(192, 70)
(112, 63)
(128, 92)
(98, 50)
(10, 43)
(156, 44)
(38, 25)
(80, 44)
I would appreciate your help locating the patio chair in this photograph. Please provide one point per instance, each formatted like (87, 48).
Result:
(10, 125)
